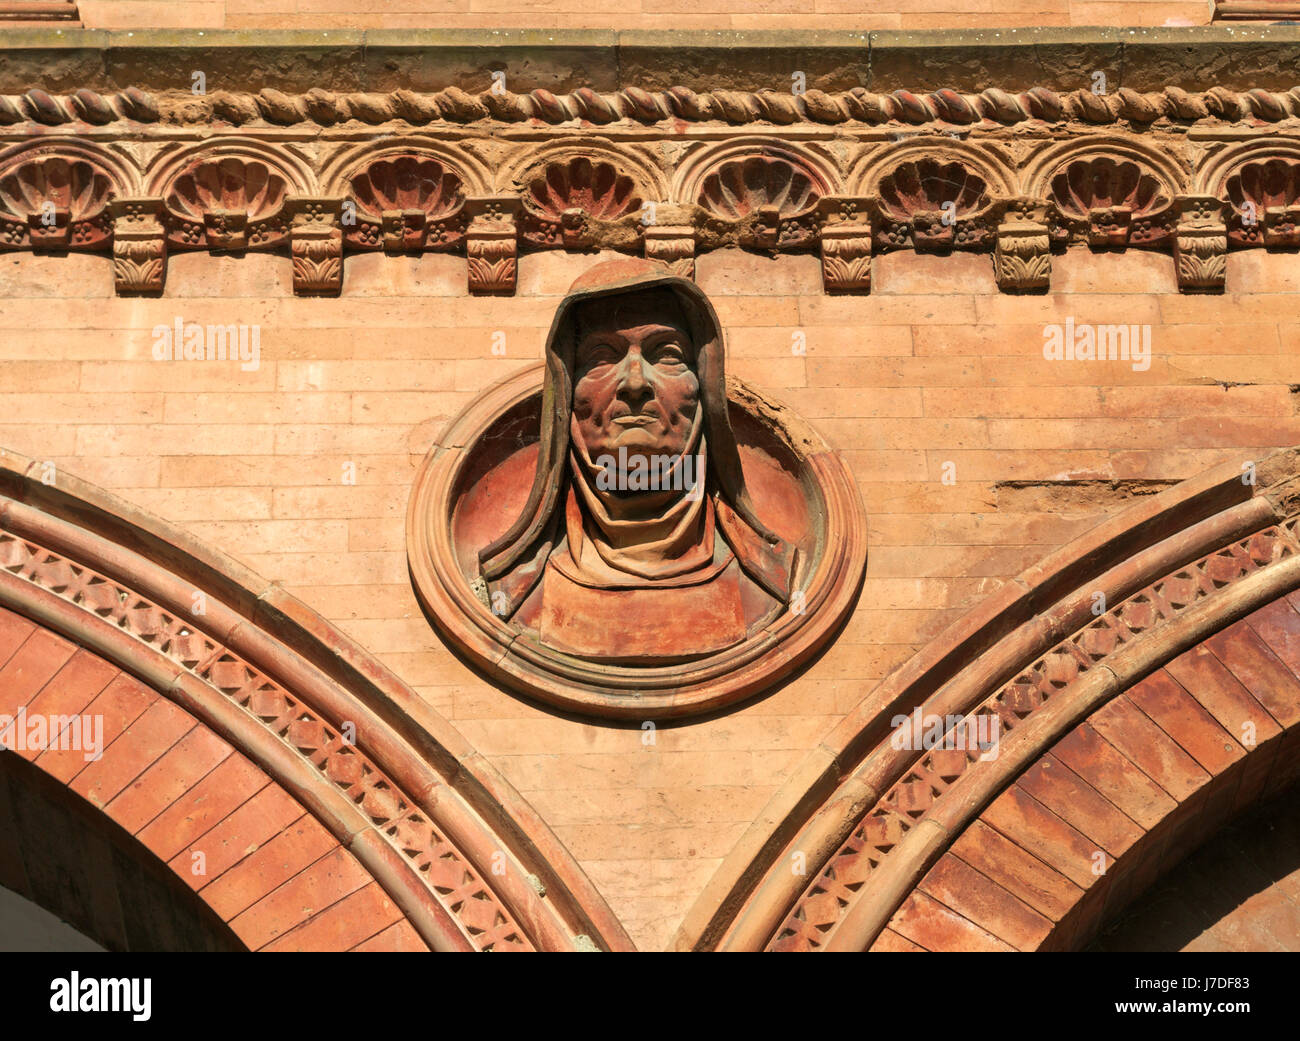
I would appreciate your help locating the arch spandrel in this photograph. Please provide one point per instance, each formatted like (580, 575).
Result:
(1207, 568)
(423, 829)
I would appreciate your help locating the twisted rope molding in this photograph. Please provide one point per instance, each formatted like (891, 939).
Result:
(454, 105)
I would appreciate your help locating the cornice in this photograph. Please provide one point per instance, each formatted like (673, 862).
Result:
(1024, 143)
(379, 61)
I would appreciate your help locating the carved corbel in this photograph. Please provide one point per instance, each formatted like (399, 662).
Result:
(492, 243)
(1022, 256)
(1200, 243)
(845, 238)
(139, 245)
(674, 245)
(316, 243)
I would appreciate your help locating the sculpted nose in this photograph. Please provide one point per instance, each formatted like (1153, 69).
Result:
(634, 386)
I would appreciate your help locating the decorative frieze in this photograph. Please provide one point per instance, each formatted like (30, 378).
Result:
(454, 106)
(658, 191)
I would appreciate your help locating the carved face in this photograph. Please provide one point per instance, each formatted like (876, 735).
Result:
(635, 385)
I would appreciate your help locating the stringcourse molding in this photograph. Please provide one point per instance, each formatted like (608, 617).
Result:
(447, 840)
(373, 153)
(1145, 683)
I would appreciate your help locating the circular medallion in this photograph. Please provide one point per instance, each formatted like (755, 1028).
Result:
(624, 531)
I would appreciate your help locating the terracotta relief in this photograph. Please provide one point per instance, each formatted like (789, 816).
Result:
(637, 536)
(1108, 173)
(55, 203)
(405, 204)
(931, 204)
(227, 204)
(1265, 200)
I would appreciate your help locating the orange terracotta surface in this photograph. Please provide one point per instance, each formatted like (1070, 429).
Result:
(934, 373)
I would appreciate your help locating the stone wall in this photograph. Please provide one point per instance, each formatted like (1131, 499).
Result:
(934, 367)
(639, 14)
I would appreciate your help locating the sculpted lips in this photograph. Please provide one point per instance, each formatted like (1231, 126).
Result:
(634, 421)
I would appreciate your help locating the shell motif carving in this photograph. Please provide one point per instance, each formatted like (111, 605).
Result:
(774, 194)
(935, 201)
(228, 203)
(56, 203)
(1116, 199)
(565, 196)
(1265, 198)
(407, 203)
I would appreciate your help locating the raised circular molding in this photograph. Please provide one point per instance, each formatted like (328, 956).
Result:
(488, 455)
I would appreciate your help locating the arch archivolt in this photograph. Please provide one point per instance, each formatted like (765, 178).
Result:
(306, 709)
(1196, 644)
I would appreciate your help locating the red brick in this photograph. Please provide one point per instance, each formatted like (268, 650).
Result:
(1080, 805)
(1095, 760)
(178, 770)
(206, 803)
(30, 668)
(1033, 827)
(343, 925)
(400, 936)
(142, 744)
(1020, 873)
(121, 703)
(312, 890)
(1184, 719)
(270, 865)
(14, 630)
(1259, 670)
(1153, 751)
(977, 898)
(1206, 678)
(929, 924)
(890, 942)
(257, 821)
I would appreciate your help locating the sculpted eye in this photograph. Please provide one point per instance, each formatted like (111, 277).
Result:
(597, 355)
(670, 352)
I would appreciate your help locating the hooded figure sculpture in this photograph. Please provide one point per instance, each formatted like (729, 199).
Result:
(638, 542)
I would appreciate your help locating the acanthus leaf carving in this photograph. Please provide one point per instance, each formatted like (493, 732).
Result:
(139, 245)
(492, 244)
(1201, 243)
(316, 243)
